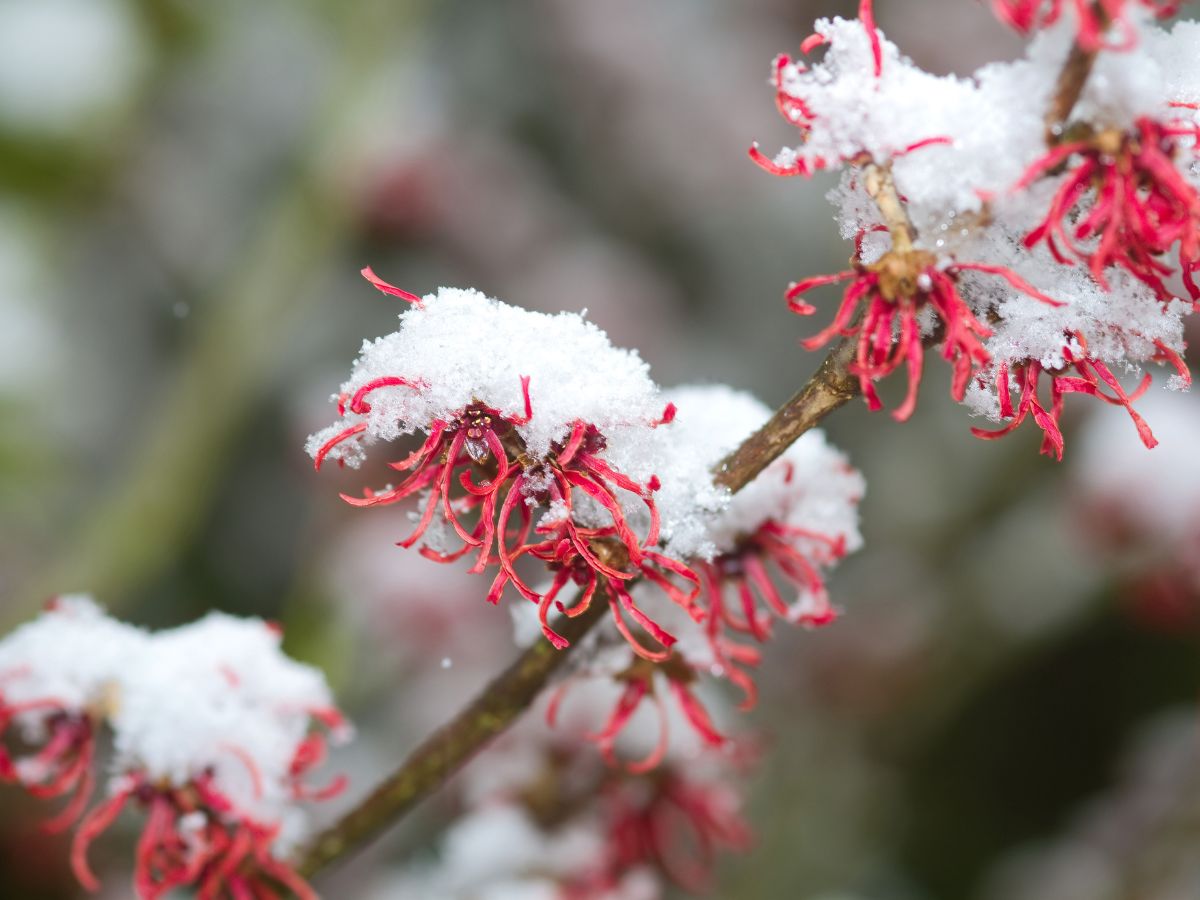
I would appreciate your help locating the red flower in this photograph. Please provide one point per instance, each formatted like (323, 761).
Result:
(891, 293)
(193, 836)
(798, 555)
(471, 438)
(1090, 377)
(63, 762)
(673, 823)
(481, 440)
(1140, 204)
(1094, 18)
(640, 684)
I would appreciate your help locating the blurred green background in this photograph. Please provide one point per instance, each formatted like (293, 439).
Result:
(187, 193)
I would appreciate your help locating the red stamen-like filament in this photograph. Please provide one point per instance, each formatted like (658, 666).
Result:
(193, 837)
(890, 295)
(1123, 203)
(1091, 376)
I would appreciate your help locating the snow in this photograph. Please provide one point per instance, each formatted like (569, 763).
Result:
(214, 696)
(812, 486)
(461, 347)
(961, 195)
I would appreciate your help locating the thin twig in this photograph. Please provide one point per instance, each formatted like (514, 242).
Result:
(832, 386)
(1069, 87)
(1071, 81)
(446, 750)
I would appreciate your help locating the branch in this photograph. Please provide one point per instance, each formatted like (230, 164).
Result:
(831, 387)
(1068, 90)
(1069, 87)
(512, 691)
(446, 750)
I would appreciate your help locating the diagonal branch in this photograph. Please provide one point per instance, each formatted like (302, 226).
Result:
(511, 692)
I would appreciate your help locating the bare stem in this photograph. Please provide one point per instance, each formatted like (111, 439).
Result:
(1071, 80)
(1069, 87)
(878, 181)
(512, 691)
(446, 750)
(831, 387)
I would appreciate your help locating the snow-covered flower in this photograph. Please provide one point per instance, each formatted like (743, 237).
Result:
(215, 734)
(890, 296)
(939, 170)
(520, 411)
(791, 525)
(58, 679)
(1122, 202)
(784, 531)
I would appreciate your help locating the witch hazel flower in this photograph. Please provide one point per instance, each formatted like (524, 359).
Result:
(1028, 266)
(643, 682)
(1096, 22)
(775, 539)
(782, 533)
(676, 823)
(524, 417)
(215, 736)
(546, 819)
(850, 108)
(1081, 374)
(884, 305)
(1122, 202)
(1042, 354)
(58, 677)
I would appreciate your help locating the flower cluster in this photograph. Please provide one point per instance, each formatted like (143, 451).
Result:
(215, 734)
(523, 427)
(1040, 261)
(556, 463)
(544, 819)
(781, 533)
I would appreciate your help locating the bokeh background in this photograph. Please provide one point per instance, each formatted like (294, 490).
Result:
(187, 192)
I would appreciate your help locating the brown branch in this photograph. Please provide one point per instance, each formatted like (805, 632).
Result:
(877, 179)
(509, 694)
(1068, 90)
(446, 750)
(831, 387)
(1069, 87)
